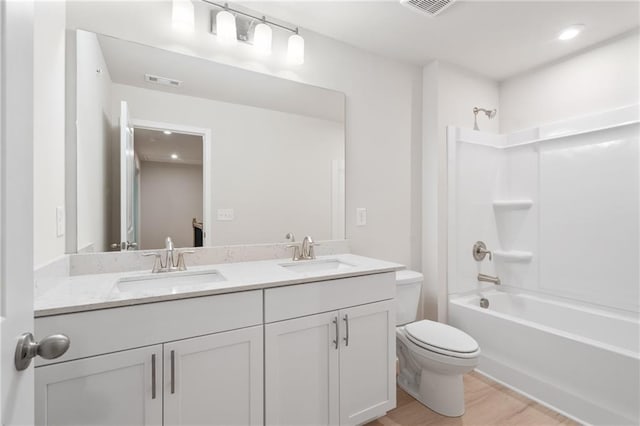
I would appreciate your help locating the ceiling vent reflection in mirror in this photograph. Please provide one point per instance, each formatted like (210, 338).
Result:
(165, 81)
(427, 7)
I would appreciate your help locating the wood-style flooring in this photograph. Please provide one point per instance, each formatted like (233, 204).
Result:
(487, 403)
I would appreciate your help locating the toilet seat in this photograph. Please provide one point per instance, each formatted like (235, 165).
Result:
(442, 339)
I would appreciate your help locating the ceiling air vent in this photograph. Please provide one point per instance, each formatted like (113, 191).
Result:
(428, 7)
(162, 80)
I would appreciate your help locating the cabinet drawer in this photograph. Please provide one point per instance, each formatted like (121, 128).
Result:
(109, 330)
(282, 303)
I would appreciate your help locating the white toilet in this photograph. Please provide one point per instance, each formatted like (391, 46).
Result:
(433, 356)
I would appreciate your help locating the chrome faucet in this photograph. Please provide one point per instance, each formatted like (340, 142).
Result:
(302, 251)
(169, 264)
(168, 246)
(295, 246)
(307, 252)
(489, 279)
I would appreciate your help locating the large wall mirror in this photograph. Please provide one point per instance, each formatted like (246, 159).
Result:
(167, 144)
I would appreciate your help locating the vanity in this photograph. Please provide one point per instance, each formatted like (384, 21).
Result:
(260, 342)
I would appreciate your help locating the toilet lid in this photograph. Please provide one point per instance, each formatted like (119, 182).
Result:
(436, 335)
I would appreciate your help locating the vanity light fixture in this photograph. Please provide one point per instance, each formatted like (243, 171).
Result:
(295, 50)
(183, 15)
(226, 27)
(262, 37)
(571, 32)
(254, 30)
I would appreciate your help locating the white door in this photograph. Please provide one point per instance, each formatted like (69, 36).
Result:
(367, 362)
(127, 181)
(301, 371)
(16, 213)
(215, 379)
(122, 388)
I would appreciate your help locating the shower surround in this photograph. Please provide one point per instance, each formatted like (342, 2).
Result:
(558, 206)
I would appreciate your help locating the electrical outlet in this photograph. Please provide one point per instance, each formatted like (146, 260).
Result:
(361, 216)
(59, 221)
(225, 214)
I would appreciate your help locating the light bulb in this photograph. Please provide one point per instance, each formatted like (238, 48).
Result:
(295, 50)
(262, 37)
(226, 27)
(183, 16)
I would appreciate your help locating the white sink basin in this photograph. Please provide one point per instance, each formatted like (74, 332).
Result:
(324, 265)
(168, 280)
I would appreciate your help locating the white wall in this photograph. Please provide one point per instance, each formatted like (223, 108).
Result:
(93, 144)
(449, 95)
(382, 99)
(599, 79)
(48, 122)
(272, 168)
(170, 197)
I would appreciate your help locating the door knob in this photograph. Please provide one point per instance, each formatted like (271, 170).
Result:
(50, 347)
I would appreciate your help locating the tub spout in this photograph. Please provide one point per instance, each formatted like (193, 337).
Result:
(489, 279)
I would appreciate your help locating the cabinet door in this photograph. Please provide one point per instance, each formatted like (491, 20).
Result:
(301, 376)
(113, 389)
(367, 362)
(215, 379)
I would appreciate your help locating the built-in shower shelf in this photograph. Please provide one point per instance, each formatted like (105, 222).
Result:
(513, 204)
(513, 256)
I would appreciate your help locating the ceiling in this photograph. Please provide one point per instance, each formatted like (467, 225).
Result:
(155, 146)
(498, 39)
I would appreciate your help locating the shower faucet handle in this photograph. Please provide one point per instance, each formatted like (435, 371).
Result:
(480, 251)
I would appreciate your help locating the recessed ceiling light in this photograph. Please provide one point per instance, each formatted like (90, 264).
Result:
(174, 156)
(167, 132)
(570, 32)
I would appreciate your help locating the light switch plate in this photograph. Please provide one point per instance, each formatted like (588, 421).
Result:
(59, 221)
(361, 216)
(225, 214)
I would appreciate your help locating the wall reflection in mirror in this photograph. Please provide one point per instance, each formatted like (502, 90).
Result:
(208, 154)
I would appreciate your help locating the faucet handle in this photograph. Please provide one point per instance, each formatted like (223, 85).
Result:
(157, 261)
(296, 250)
(480, 251)
(182, 266)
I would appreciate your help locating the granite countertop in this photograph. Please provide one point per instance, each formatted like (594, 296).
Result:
(80, 293)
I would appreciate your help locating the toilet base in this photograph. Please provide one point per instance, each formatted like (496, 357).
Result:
(442, 394)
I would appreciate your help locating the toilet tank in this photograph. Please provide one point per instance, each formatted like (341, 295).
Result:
(408, 285)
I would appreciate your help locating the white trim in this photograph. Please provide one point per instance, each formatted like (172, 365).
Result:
(207, 194)
(591, 123)
(71, 144)
(16, 205)
(452, 215)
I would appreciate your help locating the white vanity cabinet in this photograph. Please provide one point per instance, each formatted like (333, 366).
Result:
(301, 371)
(335, 367)
(112, 389)
(213, 379)
(305, 350)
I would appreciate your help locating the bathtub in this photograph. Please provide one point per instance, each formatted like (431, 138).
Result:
(579, 360)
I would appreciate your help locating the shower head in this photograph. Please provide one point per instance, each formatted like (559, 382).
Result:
(490, 113)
